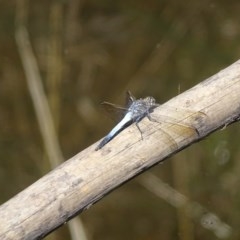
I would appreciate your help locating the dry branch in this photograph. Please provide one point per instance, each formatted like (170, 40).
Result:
(87, 177)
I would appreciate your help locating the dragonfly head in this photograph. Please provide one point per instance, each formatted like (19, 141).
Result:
(151, 101)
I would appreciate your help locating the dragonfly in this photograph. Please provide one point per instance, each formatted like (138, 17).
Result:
(134, 112)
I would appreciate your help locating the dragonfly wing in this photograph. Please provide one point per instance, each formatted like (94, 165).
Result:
(175, 116)
(114, 111)
(129, 99)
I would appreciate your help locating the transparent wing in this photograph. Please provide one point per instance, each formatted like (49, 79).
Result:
(175, 117)
(129, 99)
(177, 125)
(114, 111)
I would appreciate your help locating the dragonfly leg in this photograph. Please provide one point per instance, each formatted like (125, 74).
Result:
(139, 130)
(151, 118)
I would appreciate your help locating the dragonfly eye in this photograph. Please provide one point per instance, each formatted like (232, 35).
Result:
(151, 100)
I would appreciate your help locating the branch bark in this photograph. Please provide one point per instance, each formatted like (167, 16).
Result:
(87, 177)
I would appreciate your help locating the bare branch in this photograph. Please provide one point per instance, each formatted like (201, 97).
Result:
(87, 177)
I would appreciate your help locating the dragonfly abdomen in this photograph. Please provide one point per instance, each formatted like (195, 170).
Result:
(127, 120)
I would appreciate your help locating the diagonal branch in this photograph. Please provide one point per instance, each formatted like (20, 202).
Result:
(87, 177)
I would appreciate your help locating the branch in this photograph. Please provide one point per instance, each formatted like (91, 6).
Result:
(87, 177)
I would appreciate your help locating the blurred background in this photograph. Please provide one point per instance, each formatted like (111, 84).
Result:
(72, 55)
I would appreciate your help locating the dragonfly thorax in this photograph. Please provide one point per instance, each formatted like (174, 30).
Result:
(142, 107)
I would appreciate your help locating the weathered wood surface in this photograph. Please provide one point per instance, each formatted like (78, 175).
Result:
(84, 179)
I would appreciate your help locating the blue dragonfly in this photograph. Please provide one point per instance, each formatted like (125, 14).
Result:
(134, 112)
